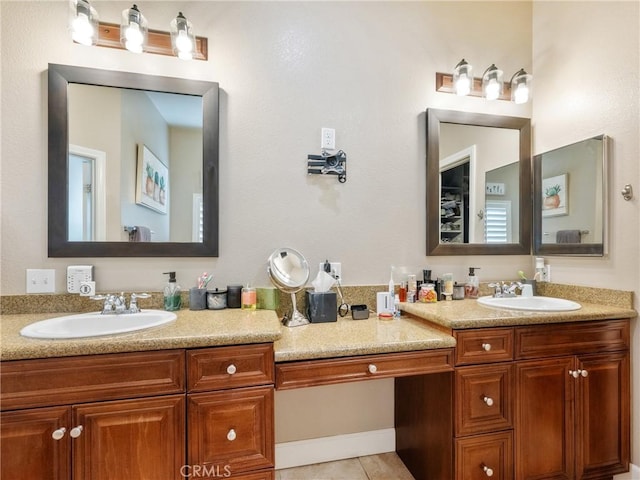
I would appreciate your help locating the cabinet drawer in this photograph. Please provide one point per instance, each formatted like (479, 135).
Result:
(483, 345)
(231, 428)
(572, 338)
(62, 381)
(266, 475)
(229, 367)
(369, 367)
(483, 456)
(483, 399)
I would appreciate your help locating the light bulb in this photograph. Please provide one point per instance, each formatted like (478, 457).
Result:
(492, 90)
(521, 94)
(183, 42)
(463, 85)
(81, 29)
(133, 34)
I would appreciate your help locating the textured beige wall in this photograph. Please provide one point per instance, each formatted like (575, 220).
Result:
(586, 58)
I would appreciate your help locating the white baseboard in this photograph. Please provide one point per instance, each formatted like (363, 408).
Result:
(632, 474)
(338, 447)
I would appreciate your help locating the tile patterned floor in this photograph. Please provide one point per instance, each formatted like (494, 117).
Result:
(386, 466)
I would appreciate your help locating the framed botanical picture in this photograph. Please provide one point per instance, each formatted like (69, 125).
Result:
(152, 185)
(555, 196)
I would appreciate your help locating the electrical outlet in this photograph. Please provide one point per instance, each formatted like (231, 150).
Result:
(328, 139)
(41, 280)
(336, 270)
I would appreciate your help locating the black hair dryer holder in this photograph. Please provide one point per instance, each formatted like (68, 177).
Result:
(328, 164)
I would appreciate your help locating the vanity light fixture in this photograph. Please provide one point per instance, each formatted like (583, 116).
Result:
(132, 33)
(133, 30)
(462, 78)
(492, 83)
(83, 22)
(521, 87)
(182, 38)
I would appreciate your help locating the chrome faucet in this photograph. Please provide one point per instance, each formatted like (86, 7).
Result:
(503, 289)
(116, 304)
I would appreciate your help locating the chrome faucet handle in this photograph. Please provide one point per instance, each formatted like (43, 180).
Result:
(497, 288)
(133, 304)
(107, 306)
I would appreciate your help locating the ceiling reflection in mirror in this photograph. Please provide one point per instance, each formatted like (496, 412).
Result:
(478, 184)
(123, 195)
(570, 192)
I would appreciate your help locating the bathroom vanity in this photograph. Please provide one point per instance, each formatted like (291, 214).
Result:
(480, 393)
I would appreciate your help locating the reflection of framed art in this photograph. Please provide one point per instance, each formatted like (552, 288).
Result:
(555, 196)
(152, 186)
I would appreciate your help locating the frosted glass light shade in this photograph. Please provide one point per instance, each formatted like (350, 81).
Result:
(492, 83)
(521, 87)
(183, 40)
(462, 78)
(83, 22)
(133, 30)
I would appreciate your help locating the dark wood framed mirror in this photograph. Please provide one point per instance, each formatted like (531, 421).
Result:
(570, 204)
(478, 184)
(202, 237)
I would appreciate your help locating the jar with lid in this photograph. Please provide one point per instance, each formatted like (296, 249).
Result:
(427, 293)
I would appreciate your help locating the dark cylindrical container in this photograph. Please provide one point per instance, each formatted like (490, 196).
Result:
(234, 296)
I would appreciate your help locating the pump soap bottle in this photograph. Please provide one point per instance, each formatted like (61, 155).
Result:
(172, 293)
(472, 286)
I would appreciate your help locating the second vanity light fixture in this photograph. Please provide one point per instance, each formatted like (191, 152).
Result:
(490, 85)
(133, 34)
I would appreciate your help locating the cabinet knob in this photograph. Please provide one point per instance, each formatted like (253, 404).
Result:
(487, 471)
(231, 435)
(59, 433)
(231, 369)
(574, 373)
(584, 373)
(372, 368)
(486, 347)
(488, 401)
(76, 431)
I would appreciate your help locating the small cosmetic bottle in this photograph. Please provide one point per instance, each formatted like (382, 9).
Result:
(249, 298)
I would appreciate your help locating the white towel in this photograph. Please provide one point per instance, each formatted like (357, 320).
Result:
(140, 234)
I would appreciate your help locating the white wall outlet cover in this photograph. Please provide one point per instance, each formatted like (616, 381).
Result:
(41, 280)
(76, 274)
(328, 139)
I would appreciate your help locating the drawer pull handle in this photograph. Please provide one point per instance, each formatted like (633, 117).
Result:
(231, 435)
(59, 433)
(76, 431)
(488, 471)
(372, 368)
(231, 369)
(488, 401)
(486, 347)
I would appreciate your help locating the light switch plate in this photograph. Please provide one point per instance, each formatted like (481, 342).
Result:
(41, 280)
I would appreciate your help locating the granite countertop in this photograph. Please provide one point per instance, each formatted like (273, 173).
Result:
(348, 337)
(191, 329)
(461, 314)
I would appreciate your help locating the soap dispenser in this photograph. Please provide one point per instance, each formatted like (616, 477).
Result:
(172, 293)
(472, 286)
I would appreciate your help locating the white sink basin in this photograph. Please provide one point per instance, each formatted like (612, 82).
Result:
(538, 304)
(95, 324)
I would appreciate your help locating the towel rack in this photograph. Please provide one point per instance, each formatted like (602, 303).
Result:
(582, 232)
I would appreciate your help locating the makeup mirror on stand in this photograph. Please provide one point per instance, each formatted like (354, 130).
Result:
(289, 272)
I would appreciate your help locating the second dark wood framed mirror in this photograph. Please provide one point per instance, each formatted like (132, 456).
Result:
(478, 184)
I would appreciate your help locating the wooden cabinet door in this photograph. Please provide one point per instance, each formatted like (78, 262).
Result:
(602, 424)
(141, 439)
(545, 419)
(27, 446)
